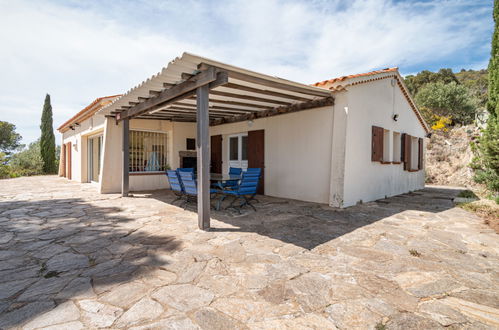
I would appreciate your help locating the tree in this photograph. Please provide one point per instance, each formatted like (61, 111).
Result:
(9, 139)
(47, 140)
(4, 166)
(476, 81)
(447, 100)
(28, 161)
(486, 161)
(415, 83)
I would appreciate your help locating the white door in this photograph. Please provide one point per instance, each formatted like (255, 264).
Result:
(238, 150)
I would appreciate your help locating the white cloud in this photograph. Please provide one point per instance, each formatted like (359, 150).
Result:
(77, 51)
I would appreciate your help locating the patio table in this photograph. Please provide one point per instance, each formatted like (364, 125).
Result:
(219, 178)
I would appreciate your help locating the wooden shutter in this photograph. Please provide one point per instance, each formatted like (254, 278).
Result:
(402, 147)
(216, 153)
(256, 155)
(377, 144)
(407, 152)
(420, 154)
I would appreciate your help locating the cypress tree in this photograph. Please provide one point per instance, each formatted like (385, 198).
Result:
(493, 71)
(47, 140)
(486, 162)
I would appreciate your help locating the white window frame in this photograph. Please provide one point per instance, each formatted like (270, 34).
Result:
(239, 162)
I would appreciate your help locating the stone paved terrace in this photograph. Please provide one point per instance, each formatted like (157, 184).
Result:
(71, 258)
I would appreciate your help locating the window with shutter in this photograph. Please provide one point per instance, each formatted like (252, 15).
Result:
(377, 144)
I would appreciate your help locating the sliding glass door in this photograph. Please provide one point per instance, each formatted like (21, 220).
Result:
(94, 158)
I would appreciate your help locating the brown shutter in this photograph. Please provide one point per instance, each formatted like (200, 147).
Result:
(420, 154)
(377, 144)
(402, 148)
(256, 155)
(407, 152)
(216, 154)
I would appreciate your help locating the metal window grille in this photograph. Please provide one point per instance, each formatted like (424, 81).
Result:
(148, 151)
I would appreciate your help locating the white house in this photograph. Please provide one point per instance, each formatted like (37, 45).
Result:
(342, 141)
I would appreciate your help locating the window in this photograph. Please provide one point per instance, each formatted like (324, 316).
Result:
(234, 154)
(412, 152)
(386, 146)
(190, 144)
(148, 151)
(238, 150)
(396, 147)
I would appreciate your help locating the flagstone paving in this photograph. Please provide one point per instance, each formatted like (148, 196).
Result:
(71, 258)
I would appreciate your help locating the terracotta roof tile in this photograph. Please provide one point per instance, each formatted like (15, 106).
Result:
(332, 81)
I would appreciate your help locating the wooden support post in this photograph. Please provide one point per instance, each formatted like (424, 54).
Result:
(203, 157)
(126, 158)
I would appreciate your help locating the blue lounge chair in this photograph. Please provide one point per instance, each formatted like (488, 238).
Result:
(255, 170)
(190, 186)
(245, 191)
(175, 184)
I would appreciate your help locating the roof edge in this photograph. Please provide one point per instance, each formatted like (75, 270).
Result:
(85, 111)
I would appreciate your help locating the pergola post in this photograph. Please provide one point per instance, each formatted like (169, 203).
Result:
(126, 158)
(203, 157)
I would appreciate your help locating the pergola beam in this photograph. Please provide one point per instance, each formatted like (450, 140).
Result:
(327, 101)
(201, 79)
(214, 107)
(239, 87)
(270, 83)
(242, 104)
(248, 97)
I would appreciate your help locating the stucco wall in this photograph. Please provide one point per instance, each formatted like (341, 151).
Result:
(78, 138)
(112, 161)
(297, 152)
(374, 104)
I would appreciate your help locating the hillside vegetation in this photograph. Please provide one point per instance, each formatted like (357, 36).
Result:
(448, 155)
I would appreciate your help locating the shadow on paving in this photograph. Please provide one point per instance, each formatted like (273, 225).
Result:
(54, 250)
(308, 224)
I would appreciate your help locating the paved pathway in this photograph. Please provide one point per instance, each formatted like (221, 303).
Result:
(71, 258)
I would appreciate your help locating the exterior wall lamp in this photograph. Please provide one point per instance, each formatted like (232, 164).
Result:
(395, 117)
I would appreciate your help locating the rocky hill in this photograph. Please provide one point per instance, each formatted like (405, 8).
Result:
(448, 155)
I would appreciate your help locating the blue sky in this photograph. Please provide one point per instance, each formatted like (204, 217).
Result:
(80, 50)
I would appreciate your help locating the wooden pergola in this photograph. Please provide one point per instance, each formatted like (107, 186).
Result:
(211, 93)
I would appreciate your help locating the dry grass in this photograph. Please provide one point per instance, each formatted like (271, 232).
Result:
(487, 210)
(415, 253)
